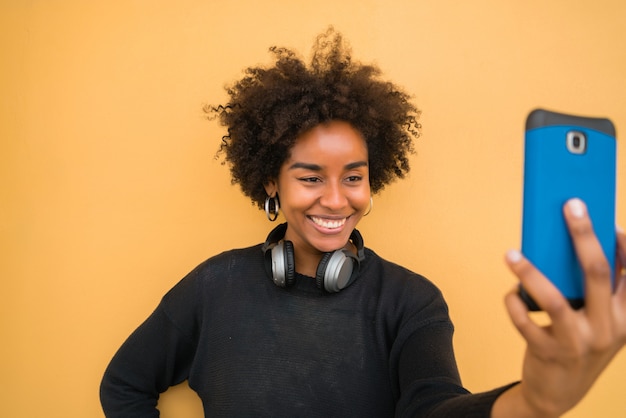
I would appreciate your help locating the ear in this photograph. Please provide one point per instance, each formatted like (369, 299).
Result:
(271, 188)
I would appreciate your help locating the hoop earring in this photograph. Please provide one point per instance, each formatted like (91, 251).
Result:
(272, 205)
(371, 206)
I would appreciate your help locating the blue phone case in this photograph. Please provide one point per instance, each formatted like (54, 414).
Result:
(554, 172)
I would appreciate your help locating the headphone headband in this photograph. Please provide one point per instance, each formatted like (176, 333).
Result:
(274, 236)
(279, 231)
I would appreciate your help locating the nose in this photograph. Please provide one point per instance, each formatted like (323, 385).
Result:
(333, 197)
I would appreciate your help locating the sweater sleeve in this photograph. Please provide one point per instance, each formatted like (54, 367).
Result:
(155, 356)
(430, 385)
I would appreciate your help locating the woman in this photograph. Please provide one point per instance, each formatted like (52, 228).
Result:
(313, 323)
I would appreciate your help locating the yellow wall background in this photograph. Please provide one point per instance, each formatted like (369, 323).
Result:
(110, 192)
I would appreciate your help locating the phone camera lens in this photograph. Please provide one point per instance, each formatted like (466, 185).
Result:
(576, 142)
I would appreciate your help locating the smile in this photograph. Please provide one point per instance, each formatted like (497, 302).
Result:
(329, 224)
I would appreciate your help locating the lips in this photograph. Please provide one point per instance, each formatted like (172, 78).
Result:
(328, 223)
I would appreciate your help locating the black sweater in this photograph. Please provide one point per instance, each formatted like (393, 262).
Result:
(379, 348)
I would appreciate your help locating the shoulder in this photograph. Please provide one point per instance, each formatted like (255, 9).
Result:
(228, 262)
(405, 296)
(396, 278)
(214, 272)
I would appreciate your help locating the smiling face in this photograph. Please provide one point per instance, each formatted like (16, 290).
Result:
(324, 190)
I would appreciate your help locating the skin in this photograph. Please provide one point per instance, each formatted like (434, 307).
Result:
(563, 359)
(324, 191)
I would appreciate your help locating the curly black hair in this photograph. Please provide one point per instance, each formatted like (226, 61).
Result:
(269, 108)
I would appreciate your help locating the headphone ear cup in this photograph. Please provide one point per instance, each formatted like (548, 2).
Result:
(283, 269)
(335, 271)
(279, 257)
(277, 265)
(290, 263)
(320, 274)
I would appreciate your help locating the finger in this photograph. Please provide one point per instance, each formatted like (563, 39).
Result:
(543, 292)
(621, 249)
(620, 265)
(591, 257)
(518, 312)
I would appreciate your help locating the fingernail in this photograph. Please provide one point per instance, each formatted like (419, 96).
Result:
(576, 207)
(619, 229)
(514, 256)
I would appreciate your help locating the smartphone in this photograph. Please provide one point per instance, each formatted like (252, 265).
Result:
(566, 156)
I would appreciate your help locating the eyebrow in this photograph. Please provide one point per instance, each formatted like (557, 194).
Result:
(317, 167)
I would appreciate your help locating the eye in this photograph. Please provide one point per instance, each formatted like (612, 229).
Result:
(310, 179)
(352, 179)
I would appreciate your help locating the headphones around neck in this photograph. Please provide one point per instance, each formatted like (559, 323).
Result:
(335, 271)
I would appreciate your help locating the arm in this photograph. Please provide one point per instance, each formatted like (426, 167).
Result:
(152, 359)
(428, 377)
(564, 359)
(156, 356)
(430, 384)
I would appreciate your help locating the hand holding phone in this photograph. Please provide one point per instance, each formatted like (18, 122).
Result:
(566, 156)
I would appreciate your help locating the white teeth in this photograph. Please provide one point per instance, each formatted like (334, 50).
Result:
(329, 224)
